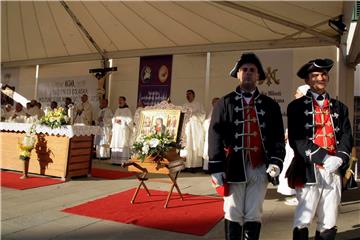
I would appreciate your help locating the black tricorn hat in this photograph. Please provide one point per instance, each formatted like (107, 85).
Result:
(248, 58)
(315, 65)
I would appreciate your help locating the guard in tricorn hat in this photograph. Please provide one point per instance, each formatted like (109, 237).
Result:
(320, 134)
(248, 125)
(248, 58)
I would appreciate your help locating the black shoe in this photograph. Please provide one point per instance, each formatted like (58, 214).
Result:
(252, 230)
(328, 234)
(233, 230)
(300, 234)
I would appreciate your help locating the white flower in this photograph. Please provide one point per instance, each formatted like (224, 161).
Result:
(154, 142)
(28, 141)
(145, 149)
(140, 138)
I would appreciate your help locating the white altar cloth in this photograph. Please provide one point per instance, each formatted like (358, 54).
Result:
(65, 130)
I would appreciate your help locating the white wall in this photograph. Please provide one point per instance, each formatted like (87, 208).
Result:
(188, 72)
(124, 82)
(357, 81)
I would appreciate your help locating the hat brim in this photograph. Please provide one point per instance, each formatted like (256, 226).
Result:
(315, 65)
(235, 69)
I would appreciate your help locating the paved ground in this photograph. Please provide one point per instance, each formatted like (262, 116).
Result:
(36, 213)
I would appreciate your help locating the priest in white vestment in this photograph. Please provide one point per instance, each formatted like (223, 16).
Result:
(19, 115)
(33, 111)
(194, 148)
(6, 112)
(69, 109)
(122, 125)
(206, 125)
(84, 111)
(102, 141)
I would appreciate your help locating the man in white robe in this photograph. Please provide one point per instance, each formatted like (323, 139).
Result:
(33, 111)
(122, 124)
(6, 112)
(194, 148)
(19, 115)
(84, 111)
(102, 141)
(69, 108)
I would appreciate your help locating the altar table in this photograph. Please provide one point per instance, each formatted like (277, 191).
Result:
(62, 152)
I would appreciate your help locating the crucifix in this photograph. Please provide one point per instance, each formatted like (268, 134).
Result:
(101, 74)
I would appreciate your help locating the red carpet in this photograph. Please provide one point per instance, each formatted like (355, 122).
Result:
(12, 180)
(195, 215)
(109, 174)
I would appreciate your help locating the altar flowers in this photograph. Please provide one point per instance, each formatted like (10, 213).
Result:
(55, 119)
(154, 145)
(26, 146)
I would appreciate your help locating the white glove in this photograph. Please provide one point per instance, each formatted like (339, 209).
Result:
(218, 178)
(273, 170)
(332, 163)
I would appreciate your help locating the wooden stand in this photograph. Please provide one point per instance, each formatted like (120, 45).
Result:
(169, 168)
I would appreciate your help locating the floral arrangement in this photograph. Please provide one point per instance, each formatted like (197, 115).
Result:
(28, 143)
(55, 118)
(154, 145)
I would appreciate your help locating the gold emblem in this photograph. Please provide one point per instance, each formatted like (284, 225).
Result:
(270, 77)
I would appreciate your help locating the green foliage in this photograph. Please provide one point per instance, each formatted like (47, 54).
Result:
(154, 145)
(55, 119)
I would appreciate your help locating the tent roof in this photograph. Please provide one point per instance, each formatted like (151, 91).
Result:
(39, 32)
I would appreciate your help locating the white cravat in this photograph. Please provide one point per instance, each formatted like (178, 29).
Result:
(320, 102)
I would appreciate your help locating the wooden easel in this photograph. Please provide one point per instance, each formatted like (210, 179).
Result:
(171, 169)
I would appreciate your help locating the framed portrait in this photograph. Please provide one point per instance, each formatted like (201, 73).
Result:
(160, 121)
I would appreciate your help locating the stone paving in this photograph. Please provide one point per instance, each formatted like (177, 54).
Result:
(36, 213)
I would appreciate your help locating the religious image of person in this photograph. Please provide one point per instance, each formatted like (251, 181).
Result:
(102, 141)
(146, 128)
(173, 128)
(84, 111)
(159, 127)
(101, 77)
(283, 187)
(246, 149)
(194, 147)
(122, 124)
(320, 134)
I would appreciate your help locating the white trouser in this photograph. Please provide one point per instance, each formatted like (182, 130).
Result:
(321, 199)
(244, 203)
(102, 151)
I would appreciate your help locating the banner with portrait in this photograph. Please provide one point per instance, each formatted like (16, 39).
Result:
(154, 79)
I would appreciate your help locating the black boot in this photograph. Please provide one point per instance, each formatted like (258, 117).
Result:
(328, 234)
(233, 230)
(301, 234)
(252, 230)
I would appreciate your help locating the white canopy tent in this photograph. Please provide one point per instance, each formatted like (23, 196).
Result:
(45, 32)
(52, 32)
